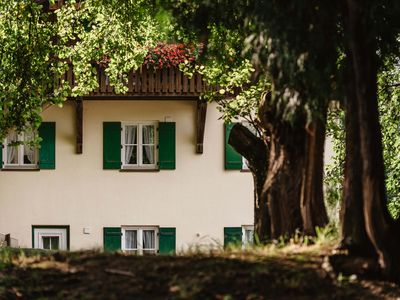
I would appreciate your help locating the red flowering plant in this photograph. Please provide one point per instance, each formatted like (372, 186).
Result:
(172, 55)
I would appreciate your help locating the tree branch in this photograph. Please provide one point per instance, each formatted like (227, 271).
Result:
(249, 146)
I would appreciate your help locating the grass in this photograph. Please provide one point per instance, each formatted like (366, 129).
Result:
(290, 270)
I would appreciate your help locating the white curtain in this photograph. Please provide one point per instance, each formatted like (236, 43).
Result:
(148, 138)
(131, 239)
(29, 151)
(148, 239)
(12, 151)
(249, 238)
(130, 138)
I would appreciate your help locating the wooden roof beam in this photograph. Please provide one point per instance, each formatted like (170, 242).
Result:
(79, 124)
(201, 124)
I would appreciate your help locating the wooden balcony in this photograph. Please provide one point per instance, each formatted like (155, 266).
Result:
(148, 83)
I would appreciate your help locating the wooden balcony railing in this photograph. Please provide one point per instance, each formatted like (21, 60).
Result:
(147, 82)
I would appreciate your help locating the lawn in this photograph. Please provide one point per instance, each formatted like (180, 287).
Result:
(291, 272)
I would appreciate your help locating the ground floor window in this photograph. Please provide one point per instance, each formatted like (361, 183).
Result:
(50, 237)
(139, 240)
(247, 235)
(239, 236)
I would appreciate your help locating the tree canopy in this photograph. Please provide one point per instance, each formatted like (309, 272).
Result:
(38, 46)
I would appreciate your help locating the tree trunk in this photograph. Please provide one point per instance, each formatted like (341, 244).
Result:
(354, 237)
(313, 211)
(254, 149)
(381, 229)
(283, 183)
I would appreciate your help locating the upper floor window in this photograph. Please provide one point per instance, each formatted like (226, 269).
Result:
(19, 151)
(139, 145)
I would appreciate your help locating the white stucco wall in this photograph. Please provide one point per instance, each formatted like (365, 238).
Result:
(199, 198)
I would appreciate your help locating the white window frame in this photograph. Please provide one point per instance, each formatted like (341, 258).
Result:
(20, 153)
(245, 242)
(139, 250)
(139, 146)
(40, 233)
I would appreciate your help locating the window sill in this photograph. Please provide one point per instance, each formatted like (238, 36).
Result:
(138, 170)
(20, 168)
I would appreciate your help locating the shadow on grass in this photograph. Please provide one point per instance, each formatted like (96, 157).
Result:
(94, 275)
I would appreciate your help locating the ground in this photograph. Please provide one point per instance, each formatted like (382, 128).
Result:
(292, 272)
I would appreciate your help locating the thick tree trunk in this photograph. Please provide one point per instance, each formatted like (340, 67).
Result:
(254, 149)
(381, 229)
(312, 204)
(354, 237)
(284, 178)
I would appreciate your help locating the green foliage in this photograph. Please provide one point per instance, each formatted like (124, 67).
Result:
(302, 41)
(326, 235)
(334, 171)
(122, 30)
(389, 109)
(27, 63)
(36, 47)
(238, 96)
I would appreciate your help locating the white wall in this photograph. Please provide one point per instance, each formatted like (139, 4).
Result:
(199, 198)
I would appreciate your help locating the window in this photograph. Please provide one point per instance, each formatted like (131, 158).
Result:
(140, 240)
(139, 145)
(18, 151)
(51, 237)
(247, 235)
(239, 236)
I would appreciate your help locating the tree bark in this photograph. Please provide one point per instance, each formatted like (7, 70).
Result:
(354, 237)
(284, 178)
(254, 149)
(313, 211)
(381, 229)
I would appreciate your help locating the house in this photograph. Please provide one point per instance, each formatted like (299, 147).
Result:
(145, 172)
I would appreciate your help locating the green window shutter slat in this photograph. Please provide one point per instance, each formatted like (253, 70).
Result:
(232, 236)
(112, 238)
(112, 145)
(47, 151)
(167, 243)
(233, 160)
(167, 148)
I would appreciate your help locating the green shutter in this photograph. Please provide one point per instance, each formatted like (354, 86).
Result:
(167, 243)
(112, 238)
(47, 151)
(232, 236)
(112, 145)
(166, 152)
(233, 160)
